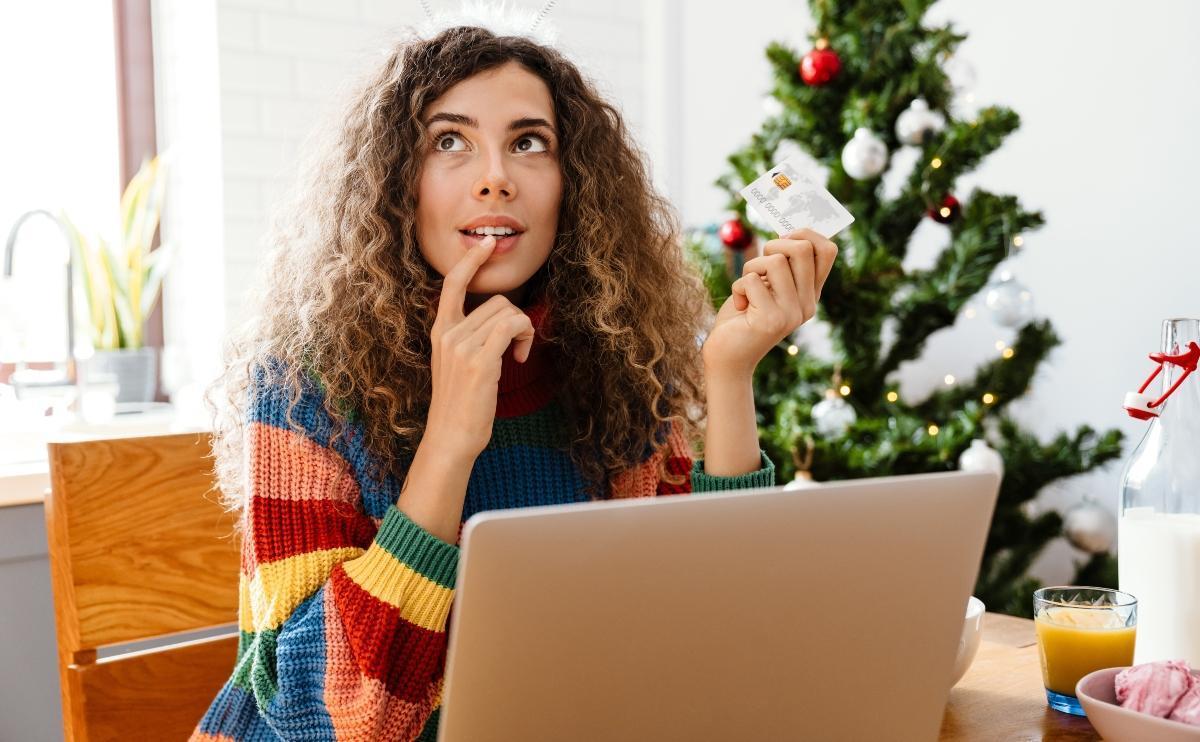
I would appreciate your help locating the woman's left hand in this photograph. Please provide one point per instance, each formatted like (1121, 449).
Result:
(777, 292)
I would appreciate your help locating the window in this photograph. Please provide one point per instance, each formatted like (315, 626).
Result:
(59, 147)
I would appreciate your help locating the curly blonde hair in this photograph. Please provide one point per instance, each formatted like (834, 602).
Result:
(349, 299)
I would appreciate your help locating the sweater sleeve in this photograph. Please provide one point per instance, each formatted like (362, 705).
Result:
(343, 621)
(680, 460)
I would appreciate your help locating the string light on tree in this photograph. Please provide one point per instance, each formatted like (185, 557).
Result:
(946, 211)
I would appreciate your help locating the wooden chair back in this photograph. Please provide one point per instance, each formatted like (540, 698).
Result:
(140, 549)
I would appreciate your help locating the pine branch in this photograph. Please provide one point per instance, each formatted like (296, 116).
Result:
(978, 244)
(1100, 570)
(960, 147)
(1029, 465)
(1005, 379)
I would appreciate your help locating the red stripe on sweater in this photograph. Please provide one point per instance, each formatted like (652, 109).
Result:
(285, 528)
(677, 465)
(406, 658)
(523, 401)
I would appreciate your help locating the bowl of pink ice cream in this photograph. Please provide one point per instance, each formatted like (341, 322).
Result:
(1152, 701)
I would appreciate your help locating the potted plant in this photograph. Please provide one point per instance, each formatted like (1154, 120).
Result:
(121, 281)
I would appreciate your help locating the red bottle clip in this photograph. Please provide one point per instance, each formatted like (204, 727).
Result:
(1139, 405)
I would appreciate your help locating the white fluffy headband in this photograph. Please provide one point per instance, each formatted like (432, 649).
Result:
(494, 15)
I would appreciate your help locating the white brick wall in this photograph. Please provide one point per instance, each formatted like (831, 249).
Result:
(280, 66)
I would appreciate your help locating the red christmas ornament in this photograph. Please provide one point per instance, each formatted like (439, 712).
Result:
(820, 65)
(947, 211)
(735, 236)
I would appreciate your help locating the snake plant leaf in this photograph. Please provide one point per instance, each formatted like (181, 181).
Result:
(157, 263)
(121, 279)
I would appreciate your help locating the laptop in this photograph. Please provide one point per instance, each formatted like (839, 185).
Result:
(831, 613)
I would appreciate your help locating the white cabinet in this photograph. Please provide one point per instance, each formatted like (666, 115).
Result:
(30, 705)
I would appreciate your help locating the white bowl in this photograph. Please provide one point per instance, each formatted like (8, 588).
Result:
(968, 645)
(1098, 696)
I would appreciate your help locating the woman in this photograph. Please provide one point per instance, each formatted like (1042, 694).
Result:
(408, 369)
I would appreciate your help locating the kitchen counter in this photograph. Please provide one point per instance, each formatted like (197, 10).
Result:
(24, 468)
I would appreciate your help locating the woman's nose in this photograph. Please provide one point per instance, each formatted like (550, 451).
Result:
(495, 181)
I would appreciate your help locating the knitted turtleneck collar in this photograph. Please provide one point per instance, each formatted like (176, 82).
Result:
(526, 387)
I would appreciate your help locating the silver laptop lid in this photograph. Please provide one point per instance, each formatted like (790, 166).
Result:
(827, 613)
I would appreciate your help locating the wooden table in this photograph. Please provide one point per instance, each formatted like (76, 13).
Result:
(1001, 697)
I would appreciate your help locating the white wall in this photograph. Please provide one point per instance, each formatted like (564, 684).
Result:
(1106, 150)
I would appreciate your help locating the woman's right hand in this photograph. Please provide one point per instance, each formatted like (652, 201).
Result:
(467, 349)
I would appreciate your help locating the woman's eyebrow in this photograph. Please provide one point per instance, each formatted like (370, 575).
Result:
(458, 118)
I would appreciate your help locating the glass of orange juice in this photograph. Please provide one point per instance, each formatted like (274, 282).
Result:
(1081, 630)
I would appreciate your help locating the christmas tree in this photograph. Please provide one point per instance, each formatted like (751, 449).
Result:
(877, 79)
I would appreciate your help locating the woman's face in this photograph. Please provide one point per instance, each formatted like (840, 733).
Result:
(492, 161)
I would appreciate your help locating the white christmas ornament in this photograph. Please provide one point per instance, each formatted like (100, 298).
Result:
(833, 416)
(1011, 303)
(771, 106)
(1089, 527)
(865, 156)
(918, 122)
(803, 481)
(981, 457)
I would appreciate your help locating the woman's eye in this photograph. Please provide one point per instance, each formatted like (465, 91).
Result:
(522, 145)
(529, 143)
(440, 144)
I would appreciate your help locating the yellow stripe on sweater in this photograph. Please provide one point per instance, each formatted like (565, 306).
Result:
(421, 601)
(278, 587)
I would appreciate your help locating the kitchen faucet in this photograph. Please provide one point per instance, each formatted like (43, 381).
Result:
(72, 376)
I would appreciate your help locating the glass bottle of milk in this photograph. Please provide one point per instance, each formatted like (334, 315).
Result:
(1158, 547)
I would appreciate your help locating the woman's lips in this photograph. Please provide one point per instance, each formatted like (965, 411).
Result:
(503, 244)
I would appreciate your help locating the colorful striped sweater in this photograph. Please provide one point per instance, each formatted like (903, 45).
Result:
(345, 601)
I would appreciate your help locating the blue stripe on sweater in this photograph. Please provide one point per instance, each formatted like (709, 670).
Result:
(235, 714)
(547, 477)
(298, 709)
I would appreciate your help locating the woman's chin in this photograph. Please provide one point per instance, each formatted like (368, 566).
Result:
(488, 285)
